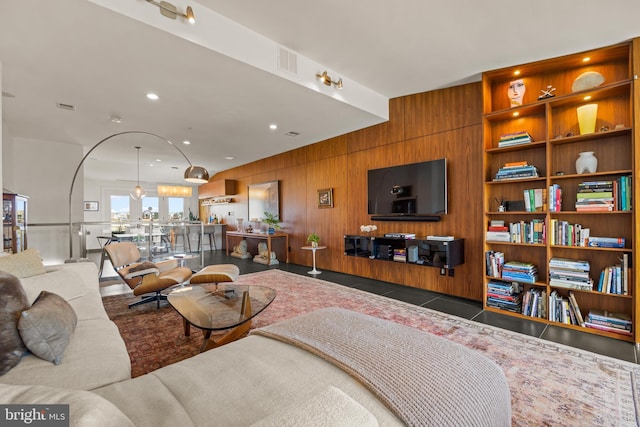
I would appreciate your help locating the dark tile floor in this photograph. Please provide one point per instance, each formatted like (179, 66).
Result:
(456, 306)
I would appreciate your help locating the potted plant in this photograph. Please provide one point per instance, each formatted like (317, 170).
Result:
(314, 239)
(273, 221)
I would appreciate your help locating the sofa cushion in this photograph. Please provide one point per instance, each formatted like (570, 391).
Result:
(96, 356)
(47, 327)
(330, 407)
(23, 264)
(85, 408)
(12, 303)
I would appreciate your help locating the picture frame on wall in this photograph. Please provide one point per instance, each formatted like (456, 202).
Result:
(91, 206)
(325, 198)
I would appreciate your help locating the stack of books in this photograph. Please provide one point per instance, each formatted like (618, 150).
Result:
(569, 273)
(611, 322)
(494, 262)
(516, 170)
(504, 295)
(595, 196)
(534, 303)
(614, 279)
(497, 231)
(516, 138)
(520, 272)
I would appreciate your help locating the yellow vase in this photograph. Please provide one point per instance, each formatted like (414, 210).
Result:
(587, 118)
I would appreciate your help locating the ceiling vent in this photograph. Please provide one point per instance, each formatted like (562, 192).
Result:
(287, 61)
(292, 133)
(66, 106)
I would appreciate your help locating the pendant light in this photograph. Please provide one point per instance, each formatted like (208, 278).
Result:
(138, 193)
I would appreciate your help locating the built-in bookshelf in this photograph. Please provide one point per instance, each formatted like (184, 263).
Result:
(530, 150)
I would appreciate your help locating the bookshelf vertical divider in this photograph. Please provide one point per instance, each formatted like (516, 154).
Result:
(530, 151)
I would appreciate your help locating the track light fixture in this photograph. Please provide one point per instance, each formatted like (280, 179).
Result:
(171, 11)
(324, 78)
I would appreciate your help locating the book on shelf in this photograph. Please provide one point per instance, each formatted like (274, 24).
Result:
(504, 295)
(614, 279)
(497, 228)
(530, 232)
(520, 272)
(606, 242)
(570, 284)
(494, 262)
(534, 303)
(576, 309)
(554, 196)
(498, 236)
(535, 199)
(608, 321)
(496, 223)
(564, 233)
(516, 138)
(516, 172)
(571, 264)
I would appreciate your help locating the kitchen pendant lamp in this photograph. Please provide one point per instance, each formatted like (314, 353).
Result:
(138, 193)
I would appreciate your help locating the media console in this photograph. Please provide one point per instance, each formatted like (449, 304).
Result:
(445, 254)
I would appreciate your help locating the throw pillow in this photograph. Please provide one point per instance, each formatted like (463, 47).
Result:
(47, 327)
(23, 264)
(12, 301)
(144, 265)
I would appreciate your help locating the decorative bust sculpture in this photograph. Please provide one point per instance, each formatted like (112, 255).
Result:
(264, 257)
(240, 250)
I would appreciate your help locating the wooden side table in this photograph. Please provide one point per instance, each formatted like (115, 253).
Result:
(313, 251)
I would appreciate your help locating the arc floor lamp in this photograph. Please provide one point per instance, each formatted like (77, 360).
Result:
(195, 174)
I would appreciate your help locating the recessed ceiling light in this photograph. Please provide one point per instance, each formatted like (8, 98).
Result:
(516, 73)
(586, 59)
(516, 114)
(116, 119)
(273, 126)
(185, 142)
(229, 158)
(158, 160)
(152, 96)
(588, 97)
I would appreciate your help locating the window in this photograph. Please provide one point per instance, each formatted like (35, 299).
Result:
(120, 211)
(151, 208)
(176, 208)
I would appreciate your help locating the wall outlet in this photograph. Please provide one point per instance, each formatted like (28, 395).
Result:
(230, 213)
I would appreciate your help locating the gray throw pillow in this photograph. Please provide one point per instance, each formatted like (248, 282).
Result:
(13, 301)
(47, 327)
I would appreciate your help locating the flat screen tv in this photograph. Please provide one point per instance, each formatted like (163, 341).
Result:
(413, 192)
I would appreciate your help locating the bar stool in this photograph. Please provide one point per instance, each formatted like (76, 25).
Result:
(212, 240)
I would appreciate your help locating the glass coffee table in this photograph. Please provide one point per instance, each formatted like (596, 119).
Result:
(212, 307)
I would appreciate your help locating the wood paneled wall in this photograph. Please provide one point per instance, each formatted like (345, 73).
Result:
(425, 126)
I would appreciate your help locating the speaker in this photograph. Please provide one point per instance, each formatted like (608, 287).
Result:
(412, 254)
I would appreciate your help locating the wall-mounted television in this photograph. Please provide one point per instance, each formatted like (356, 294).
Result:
(413, 192)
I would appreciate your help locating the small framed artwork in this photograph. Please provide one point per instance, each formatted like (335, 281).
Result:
(325, 198)
(91, 206)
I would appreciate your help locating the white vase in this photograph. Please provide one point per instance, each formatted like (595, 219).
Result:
(586, 162)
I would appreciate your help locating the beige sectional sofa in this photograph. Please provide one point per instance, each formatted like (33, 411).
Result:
(257, 380)
(96, 356)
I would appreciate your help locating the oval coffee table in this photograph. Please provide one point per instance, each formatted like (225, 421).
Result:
(212, 307)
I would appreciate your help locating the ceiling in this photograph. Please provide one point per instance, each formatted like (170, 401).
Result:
(218, 88)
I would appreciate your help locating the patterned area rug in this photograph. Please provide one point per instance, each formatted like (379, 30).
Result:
(551, 384)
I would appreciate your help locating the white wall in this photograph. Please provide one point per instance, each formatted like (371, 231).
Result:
(43, 171)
